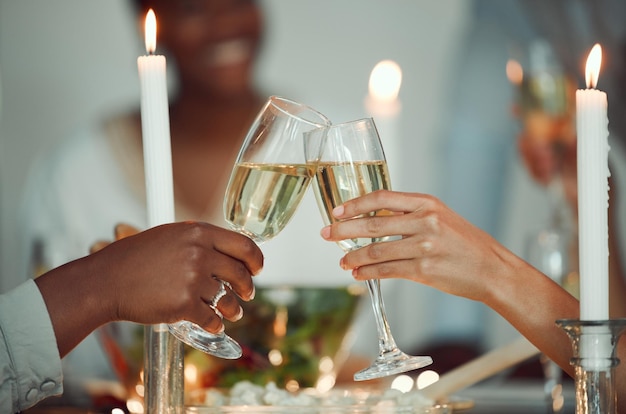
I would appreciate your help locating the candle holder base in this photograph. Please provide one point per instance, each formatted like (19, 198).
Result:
(594, 359)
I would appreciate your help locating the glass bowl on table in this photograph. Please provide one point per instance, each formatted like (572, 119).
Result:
(295, 337)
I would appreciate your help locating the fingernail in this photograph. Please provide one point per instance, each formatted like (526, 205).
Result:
(325, 232)
(239, 315)
(355, 273)
(252, 295)
(338, 211)
(222, 329)
(342, 264)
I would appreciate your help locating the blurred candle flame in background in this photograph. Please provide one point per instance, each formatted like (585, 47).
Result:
(592, 68)
(384, 82)
(150, 32)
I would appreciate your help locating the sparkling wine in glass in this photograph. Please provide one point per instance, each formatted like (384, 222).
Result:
(271, 173)
(353, 164)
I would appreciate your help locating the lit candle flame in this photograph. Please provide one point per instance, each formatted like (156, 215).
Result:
(592, 69)
(385, 81)
(150, 32)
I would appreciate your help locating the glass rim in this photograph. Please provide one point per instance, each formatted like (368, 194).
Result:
(591, 322)
(324, 121)
(352, 123)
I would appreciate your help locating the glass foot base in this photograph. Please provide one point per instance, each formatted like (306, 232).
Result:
(222, 345)
(391, 363)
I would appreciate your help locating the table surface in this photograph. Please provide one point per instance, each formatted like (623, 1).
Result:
(492, 397)
(527, 397)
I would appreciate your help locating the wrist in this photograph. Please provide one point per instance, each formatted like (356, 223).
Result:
(71, 305)
(508, 281)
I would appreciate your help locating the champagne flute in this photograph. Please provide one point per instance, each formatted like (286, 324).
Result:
(271, 174)
(353, 164)
(266, 185)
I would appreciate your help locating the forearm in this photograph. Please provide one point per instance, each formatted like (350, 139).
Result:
(532, 302)
(75, 303)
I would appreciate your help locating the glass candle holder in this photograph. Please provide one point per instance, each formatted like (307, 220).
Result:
(594, 359)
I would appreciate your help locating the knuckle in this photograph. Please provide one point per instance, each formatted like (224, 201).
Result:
(250, 250)
(424, 267)
(379, 195)
(239, 278)
(192, 277)
(424, 248)
(240, 272)
(249, 247)
(212, 322)
(385, 270)
(195, 255)
(194, 230)
(373, 225)
(375, 251)
(185, 299)
(228, 302)
(432, 222)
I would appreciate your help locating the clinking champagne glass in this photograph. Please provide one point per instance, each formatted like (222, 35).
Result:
(271, 174)
(353, 164)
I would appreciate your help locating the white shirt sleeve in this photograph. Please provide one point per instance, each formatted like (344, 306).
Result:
(30, 365)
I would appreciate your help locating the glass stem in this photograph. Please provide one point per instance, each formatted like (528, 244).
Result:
(385, 340)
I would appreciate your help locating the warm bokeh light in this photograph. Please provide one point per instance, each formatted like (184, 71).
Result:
(280, 323)
(385, 81)
(275, 357)
(425, 378)
(592, 69)
(292, 386)
(558, 400)
(191, 373)
(134, 406)
(325, 383)
(402, 383)
(326, 365)
(150, 32)
(514, 72)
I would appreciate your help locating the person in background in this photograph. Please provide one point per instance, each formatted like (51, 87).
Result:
(95, 179)
(441, 249)
(162, 275)
(489, 177)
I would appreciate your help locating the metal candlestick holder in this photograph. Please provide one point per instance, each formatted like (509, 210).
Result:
(594, 359)
(163, 371)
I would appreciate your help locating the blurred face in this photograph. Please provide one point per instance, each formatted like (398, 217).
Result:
(214, 42)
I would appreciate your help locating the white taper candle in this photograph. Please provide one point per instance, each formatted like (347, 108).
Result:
(593, 173)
